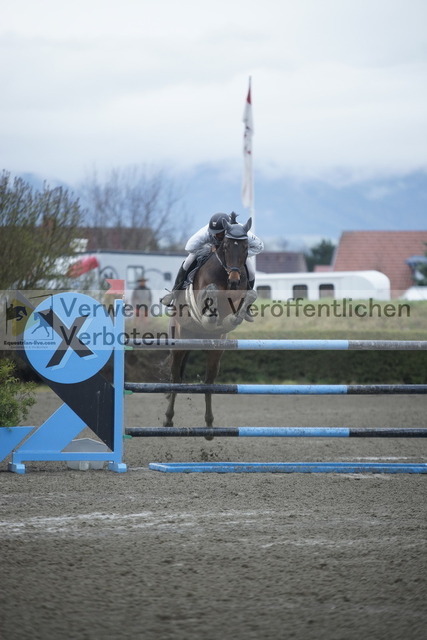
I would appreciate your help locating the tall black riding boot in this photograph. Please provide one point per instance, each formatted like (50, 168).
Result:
(181, 276)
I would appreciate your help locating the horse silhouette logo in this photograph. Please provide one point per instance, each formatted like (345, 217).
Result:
(15, 312)
(42, 324)
(16, 317)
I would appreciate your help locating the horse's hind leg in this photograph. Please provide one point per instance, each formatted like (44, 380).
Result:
(170, 411)
(179, 359)
(212, 369)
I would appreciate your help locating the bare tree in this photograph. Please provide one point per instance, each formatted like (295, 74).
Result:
(139, 197)
(37, 228)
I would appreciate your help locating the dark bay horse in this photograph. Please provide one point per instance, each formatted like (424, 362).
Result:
(215, 304)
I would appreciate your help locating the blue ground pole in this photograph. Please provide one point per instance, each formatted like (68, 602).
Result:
(286, 467)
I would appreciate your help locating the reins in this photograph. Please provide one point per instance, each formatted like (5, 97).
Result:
(224, 266)
(227, 269)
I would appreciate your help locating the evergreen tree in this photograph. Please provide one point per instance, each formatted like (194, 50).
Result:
(321, 254)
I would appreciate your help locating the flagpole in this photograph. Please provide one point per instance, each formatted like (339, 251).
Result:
(248, 199)
(248, 180)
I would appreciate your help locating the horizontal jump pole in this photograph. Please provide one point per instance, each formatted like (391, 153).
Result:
(284, 345)
(276, 389)
(274, 432)
(287, 467)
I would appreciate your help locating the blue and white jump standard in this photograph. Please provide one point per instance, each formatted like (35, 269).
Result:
(72, 369)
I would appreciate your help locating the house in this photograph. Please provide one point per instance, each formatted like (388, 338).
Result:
(384, 251)
(281, 262)
(159, 267)
(122, 253)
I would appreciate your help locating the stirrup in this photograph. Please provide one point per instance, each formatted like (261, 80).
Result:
(168, 299)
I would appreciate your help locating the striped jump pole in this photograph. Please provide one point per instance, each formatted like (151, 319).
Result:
(205, 344)
(276, 389)
(274, 432)
(153, 343)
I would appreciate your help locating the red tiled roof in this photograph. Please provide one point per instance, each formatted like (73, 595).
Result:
(281, 262)
(384, 251)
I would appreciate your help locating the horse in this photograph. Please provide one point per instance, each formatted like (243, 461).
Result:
(215, 303)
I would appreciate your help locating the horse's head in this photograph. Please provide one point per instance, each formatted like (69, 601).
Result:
(235, 251)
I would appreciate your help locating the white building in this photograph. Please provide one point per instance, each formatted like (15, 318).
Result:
(159, 268)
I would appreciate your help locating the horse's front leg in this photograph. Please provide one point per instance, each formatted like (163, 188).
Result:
(170, 411)
(212, 369)
(177, 372)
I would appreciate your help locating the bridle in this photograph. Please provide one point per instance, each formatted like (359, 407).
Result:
(236, 233)
(229, 270)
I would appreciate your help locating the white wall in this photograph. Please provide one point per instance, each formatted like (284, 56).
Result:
(159, 269)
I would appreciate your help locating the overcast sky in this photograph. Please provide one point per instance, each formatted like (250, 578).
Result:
(339, 86)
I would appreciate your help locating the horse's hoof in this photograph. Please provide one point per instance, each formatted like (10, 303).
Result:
(211, 428)
(236, 320)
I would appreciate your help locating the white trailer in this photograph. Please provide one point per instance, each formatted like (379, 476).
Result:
(358, 285)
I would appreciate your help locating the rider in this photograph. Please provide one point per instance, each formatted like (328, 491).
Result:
(203, 241)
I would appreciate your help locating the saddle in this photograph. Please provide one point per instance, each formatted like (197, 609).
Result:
(200, 261)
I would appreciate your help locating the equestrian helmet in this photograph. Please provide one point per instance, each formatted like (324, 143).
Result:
(216, 223)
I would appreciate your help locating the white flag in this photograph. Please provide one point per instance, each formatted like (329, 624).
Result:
(247, 186)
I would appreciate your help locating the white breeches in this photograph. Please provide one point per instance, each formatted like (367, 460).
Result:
(188, 261)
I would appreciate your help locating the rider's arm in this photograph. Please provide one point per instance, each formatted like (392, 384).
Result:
(255, 245)
(196, 242)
